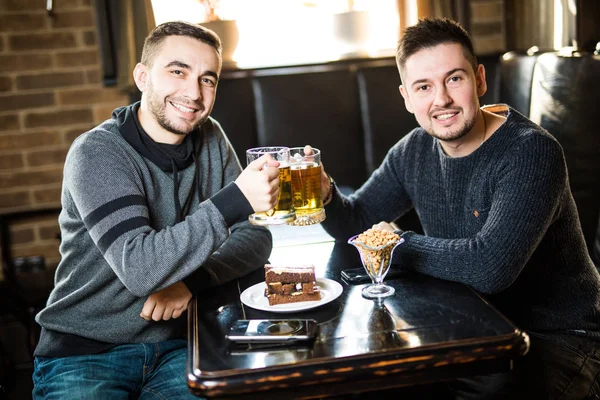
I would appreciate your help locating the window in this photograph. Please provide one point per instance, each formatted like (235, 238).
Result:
(290, 32)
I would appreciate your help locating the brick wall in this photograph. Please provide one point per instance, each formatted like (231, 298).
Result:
(50, 92)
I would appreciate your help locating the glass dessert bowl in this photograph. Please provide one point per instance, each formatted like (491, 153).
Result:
(376, 260)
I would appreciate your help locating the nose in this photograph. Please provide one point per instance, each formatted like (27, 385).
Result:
(193, 90)
(442, 97)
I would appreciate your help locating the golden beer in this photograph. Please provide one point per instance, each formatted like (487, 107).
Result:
(306, 188)
(285, 204)
(306, 191)
(283, 212)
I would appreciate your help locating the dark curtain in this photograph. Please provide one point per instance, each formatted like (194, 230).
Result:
(457, 10)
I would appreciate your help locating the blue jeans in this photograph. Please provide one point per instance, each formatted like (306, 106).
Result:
(131, 371)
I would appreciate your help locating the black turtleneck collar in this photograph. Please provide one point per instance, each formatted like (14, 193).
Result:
(169, 158)
(165, 156)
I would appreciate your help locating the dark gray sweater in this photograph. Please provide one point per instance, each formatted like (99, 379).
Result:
(121, 239)
(501, 220)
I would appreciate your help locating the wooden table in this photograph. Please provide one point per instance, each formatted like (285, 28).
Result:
(429, 331)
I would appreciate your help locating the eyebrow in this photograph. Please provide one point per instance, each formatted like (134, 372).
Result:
(181, 64)
(213, 74)
(176, 63)
(451, 72)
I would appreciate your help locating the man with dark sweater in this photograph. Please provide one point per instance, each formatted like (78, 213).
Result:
(492, 193)
(155, 208)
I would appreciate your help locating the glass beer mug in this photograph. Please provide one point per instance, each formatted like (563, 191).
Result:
(306, 187)
(283, 212)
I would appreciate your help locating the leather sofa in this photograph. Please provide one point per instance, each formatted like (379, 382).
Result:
(353, 112)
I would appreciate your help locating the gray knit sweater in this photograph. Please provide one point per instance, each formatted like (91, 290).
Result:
(121, 241)
(501, 220)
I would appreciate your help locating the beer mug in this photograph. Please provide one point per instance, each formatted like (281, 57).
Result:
(283, 212)
(306, 186)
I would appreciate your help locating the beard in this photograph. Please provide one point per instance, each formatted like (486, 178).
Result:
(157, 108)
(459, 133)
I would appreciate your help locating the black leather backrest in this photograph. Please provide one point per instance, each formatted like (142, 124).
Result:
(491, 63)
(384, 116)
(564, 101)
(596, 249)
(385, 121)
(234, 109)
(320, 109)
(516, 74)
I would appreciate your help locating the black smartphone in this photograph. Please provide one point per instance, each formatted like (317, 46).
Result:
(272, 330)
(359, 275)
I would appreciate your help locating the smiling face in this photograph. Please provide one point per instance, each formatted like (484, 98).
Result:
(178, 88)
(441, 89)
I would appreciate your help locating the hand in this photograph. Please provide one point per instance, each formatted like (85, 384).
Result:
(259, 182)
(167, 303)
(325, 183)
(384, 226)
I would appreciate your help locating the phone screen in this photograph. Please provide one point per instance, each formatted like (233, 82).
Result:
(272, 331)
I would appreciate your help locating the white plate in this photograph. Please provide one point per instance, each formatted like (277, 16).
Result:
(254, 297)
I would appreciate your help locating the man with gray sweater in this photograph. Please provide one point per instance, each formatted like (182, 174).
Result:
(492, 193)
(155, 208)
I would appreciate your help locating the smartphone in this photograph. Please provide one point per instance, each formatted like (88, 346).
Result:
(272, 330)
(359, 275)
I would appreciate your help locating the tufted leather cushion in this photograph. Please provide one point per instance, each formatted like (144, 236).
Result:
(385, 121)
(234, 109)
(384, 116)
(596, 249)
(564, 101)
(492, 75)
(317, 108)
(516, 75)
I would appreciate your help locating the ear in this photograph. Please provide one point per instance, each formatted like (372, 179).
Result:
(480, 79)
(140, 76)
(407, 102)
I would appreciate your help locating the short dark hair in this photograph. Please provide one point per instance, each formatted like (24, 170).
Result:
(155, 39)
(430, 32)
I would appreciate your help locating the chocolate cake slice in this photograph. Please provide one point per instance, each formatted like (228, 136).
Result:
(291, 284)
